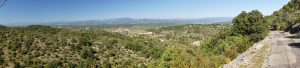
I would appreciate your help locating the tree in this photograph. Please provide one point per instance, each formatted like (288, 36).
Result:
(245, 22)
(241, 23)
(286, 17)
(251, 24)
(85, 40)
(87, 53)
(53, 64)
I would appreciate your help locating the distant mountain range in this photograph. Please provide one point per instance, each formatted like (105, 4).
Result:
(118, 21)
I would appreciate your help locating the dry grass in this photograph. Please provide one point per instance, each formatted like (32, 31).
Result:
(259, 58)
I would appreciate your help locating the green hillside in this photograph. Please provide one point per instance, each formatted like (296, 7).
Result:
(286, 17)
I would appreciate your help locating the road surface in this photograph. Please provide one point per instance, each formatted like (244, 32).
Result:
(285, 50)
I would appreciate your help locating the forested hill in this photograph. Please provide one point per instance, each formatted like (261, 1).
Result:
(286, 17)
(195, 46)
(38, 46)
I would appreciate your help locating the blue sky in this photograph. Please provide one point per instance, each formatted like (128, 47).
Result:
(24, 11)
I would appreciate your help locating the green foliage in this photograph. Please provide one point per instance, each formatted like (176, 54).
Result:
(16, 45)
(234, 45)
(246, 23)
(287, 16)
(87, 53)
(53, 64)
(248, 28)
(181, 53)
(251, 24)
(174, 57)
(44, 46)
(36, 45)
(85, 40)
(17, 65)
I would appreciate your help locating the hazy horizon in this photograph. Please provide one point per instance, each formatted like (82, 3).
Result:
(207, 20)
(33, 11)
(130, 18)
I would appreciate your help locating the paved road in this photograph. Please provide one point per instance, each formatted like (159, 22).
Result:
(285, 51)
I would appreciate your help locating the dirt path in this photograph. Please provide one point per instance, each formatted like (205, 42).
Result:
(285, 51)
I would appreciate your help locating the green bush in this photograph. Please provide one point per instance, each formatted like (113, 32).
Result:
(53, 64)
(248, 28)
(85, 40)
(87, 53)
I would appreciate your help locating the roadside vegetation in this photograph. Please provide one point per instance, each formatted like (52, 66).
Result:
(287, 18)
(247, 29)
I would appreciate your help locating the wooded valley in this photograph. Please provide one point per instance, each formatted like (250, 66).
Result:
(170, 46)
(155, 46)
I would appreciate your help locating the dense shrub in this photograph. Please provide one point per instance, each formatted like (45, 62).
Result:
(85, 40)
(44, 46)
(36, 45)
(87, 53)
(286, 17)
(251, 24)
(248, 28)
(53, 64)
